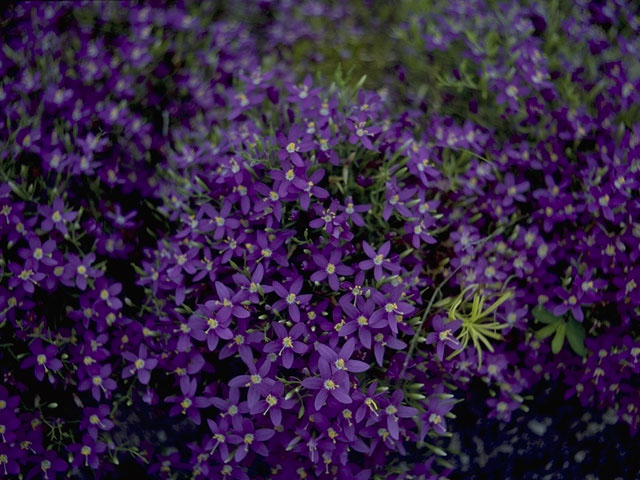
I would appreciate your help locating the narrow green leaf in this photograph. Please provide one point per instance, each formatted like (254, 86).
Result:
(558, 340)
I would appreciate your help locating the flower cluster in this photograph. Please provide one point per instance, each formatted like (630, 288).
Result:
(222, 266)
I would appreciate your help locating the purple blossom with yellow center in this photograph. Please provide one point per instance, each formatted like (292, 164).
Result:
(257, 381)
(249, 438)
(290, 297)
(55, 216)
(142, 365)
(43, 358)
(287, 343)
(330, 268)
(360, 321)
(335, 383)
(444, 335)
(341, 360)
(378, 260)
(293, 144)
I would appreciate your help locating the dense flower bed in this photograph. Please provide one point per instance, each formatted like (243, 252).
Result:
(216, 264)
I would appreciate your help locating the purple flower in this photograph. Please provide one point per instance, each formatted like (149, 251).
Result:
(231, 407)
(250, 437)
(109, 293)
(360, 132)
(396, 198)
(570, 301)
(287, 344)
(98, 381)
(443, 335)
(378, 260)
(437, 410)
(86, 452)
(274, 403)
(96, 419)
(342, 359)
(369, 404)
(293, 144)
(418, 230)
(142, 364)
(361, 321)
(39, 252)
(43, 357)
(204, 325)
(228, 303)
(308, 188)
(26, 275)
(55, 216)
(219, 438)
(253, 286)
(224, 225)
(330, 268)
(77, 270)
(394, 410)
(187, 403)
(334, 383)
(48, 466)
(353, 211)
(382, 341)
(394, 308)
(290, 298)
(511, 191)
(257, 381)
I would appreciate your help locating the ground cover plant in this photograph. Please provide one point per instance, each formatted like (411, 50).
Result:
(283, 239)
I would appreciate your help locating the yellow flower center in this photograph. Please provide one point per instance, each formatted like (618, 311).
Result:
(390, 307)
(25, 274)
(330, 385)
(444, 335)
(331, 268)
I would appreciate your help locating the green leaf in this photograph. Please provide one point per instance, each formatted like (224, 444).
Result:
(543, 315)
(558, 340)
(547, 331)
(576, 335)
